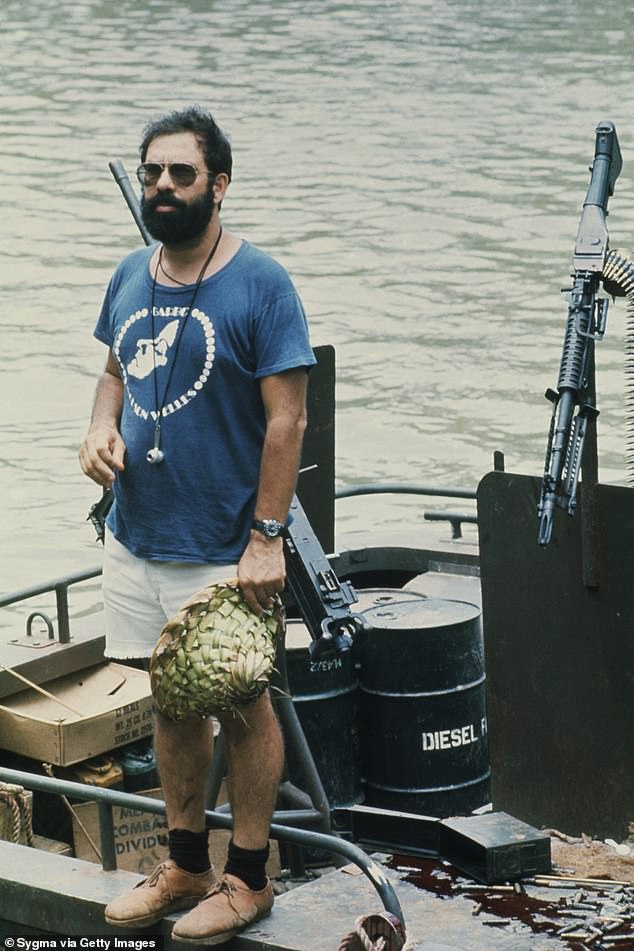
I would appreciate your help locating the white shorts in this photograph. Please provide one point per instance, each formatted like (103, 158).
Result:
(140, 596)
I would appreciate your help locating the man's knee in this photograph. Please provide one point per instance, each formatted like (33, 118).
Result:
(255, 717)
(189, 732)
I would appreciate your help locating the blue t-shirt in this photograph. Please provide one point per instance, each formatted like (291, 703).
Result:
(201, 371)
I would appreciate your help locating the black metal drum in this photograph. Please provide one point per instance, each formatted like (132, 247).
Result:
(368, 598)
(424, 745)
(326, 697)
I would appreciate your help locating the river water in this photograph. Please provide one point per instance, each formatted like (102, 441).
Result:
(419, 167)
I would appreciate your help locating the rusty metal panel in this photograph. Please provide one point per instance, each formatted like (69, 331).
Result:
(559, 654)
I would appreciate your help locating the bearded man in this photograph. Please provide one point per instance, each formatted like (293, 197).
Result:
(197, 424)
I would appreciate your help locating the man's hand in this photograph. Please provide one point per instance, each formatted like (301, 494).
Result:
(101, 455)
(262, 572)
(102, 451)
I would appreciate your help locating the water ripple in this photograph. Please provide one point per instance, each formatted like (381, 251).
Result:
(418, 167)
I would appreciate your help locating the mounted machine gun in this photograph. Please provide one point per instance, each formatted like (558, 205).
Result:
(573, 409)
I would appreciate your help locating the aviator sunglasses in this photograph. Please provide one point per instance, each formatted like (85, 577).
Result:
(182, 173)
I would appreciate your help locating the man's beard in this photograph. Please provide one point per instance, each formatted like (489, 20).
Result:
(178, 227)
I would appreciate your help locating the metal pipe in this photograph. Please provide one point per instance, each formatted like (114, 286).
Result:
(388, 488)
(302, 837)
(32, 592)
(106, 833)
(63, 619)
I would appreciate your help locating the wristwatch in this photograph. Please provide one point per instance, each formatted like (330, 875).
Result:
(269, 527)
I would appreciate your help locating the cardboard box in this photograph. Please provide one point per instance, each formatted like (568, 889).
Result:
(84, 714)
(140, 838)
(51, 845)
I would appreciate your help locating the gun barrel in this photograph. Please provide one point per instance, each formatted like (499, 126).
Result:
(121, 178)
(591, 245)
(606, 166)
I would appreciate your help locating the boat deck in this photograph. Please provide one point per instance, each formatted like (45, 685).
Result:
(56, 895)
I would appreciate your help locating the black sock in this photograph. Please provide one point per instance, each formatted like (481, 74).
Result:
(190, 850)
(248, 865)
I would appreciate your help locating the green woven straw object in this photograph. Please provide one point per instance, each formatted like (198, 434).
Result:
(215, 655)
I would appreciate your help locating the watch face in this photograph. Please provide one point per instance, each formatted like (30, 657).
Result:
(269, 527)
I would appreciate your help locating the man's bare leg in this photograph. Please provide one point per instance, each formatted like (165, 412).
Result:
(244, 894)
(255, 752)
(183, 753)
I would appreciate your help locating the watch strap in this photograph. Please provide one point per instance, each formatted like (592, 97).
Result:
(269, 527)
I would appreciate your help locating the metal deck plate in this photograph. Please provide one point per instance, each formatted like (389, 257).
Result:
(42, 892)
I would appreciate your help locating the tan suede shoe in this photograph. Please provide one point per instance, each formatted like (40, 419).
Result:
(169, 888)
(227, 908)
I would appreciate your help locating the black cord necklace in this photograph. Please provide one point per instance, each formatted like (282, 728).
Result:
(169, 276)
(156, 455)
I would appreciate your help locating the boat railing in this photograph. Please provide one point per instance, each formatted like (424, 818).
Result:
(456, 519)
(60, 586)
(106, 799)
(407, 488)
(282, 827)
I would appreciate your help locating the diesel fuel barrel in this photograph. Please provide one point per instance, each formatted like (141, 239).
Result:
(424, 745)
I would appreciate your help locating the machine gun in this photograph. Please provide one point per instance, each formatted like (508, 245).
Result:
(573, 404)
(322, 600)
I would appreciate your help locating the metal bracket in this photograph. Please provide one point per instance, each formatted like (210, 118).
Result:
(36, 642)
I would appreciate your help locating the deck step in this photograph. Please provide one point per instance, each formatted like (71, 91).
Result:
(42, 892)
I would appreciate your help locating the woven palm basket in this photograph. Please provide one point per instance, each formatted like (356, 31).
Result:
(215, 655)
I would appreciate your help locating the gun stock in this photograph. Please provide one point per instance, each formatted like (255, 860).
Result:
(323, 601)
